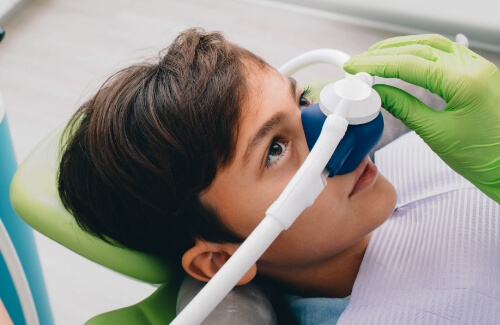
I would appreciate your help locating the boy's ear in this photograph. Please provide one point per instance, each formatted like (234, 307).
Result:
(205, 258)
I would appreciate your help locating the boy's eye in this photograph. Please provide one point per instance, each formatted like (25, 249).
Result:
(304, 101)
(276, 151)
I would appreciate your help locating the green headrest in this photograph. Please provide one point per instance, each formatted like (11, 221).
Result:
(35, 198)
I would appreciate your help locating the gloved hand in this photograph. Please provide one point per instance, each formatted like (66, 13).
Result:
(466, 134)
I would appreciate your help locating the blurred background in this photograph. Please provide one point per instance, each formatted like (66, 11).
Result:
(56, 52)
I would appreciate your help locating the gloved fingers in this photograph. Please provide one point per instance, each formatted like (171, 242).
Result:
(410, 110)
(414, 69)
(378, 56)
(432, 40)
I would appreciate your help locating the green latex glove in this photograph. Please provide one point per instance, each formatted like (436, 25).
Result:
(466, 134)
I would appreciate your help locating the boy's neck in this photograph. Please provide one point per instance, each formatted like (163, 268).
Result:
(334, 278)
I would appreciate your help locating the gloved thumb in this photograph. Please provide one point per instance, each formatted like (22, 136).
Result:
(410, 110)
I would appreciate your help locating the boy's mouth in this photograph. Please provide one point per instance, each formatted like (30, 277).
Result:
(365, 175)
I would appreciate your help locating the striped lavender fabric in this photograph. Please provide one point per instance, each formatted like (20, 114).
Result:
(437, 259)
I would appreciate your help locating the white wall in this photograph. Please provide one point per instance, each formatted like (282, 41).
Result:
(479, 20)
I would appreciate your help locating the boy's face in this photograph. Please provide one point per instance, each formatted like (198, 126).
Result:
(270, 148)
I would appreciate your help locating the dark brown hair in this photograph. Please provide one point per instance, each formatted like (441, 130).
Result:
(141, 150)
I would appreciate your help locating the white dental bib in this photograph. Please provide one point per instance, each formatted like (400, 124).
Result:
(437, 259)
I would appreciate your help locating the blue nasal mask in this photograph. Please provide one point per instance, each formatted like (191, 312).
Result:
(358, 141)
(351, 98)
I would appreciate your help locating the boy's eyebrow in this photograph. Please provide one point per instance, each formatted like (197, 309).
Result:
(264, 130)
(267, 127)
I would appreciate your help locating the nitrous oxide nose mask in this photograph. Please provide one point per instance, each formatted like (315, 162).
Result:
(352, 99)
(366, 123)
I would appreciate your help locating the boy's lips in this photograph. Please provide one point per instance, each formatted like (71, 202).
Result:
(365, 175)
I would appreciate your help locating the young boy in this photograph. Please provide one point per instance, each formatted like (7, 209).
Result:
(182, 156)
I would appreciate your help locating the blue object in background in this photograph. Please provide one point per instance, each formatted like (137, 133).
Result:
(23, 240)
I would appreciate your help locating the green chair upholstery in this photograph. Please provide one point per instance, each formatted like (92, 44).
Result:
(158, 308)
(34, 197)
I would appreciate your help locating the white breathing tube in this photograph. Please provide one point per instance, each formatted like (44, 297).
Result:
(330, 56)
(300, 193)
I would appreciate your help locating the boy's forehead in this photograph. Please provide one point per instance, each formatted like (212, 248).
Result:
(266, 88)
(268, 99)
